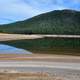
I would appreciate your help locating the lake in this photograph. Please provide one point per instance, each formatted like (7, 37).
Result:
(6, 49)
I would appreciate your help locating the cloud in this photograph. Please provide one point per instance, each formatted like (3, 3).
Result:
(14, 10)
(44, 5)
(76, 1)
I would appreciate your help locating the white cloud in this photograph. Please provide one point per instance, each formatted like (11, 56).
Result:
(76, 0)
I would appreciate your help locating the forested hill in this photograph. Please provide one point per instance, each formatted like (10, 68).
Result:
(54, 22)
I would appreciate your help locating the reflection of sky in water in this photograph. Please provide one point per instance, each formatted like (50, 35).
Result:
(9, 49)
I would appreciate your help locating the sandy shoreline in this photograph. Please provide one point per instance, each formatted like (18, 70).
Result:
(7, 37)
(40, 57)
(61, 67)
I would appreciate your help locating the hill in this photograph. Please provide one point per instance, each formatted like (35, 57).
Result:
(54, 22)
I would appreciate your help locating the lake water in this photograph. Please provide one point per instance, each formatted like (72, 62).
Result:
(6, 49)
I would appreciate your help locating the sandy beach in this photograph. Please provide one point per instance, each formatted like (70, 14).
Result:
(56, 67)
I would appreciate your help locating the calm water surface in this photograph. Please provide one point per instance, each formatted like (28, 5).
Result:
(6, 49)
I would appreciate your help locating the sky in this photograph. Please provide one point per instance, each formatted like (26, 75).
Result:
(17, 10)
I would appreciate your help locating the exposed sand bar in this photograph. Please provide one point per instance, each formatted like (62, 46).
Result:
(63, 36)
(6, 37)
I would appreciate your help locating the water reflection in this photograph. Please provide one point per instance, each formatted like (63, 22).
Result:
(6, 49)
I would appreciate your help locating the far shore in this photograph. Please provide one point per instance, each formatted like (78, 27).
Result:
(7, 37)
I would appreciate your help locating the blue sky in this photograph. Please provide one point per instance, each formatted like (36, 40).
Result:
(15, 10)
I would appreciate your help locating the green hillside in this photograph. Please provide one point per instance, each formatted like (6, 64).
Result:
(55, 22)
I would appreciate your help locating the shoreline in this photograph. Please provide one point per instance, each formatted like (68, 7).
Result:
(9, 37)
(40, 57)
